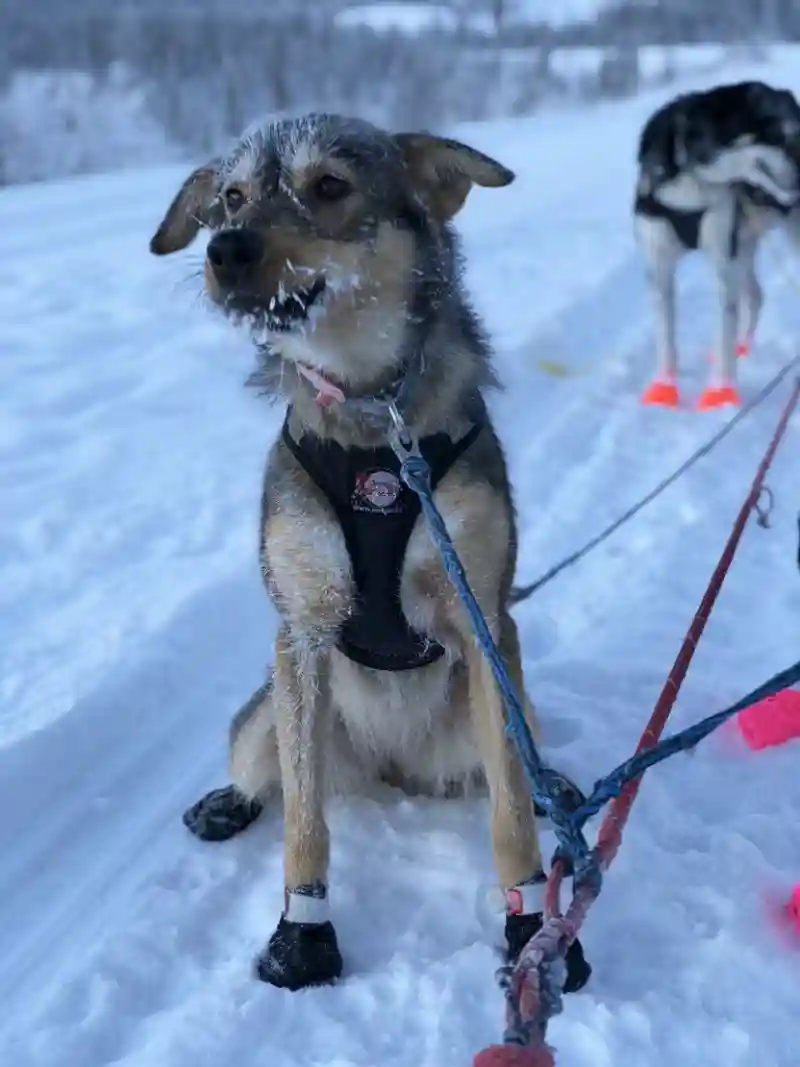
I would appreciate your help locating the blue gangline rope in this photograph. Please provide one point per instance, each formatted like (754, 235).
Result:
(548, 788)
(612, 785)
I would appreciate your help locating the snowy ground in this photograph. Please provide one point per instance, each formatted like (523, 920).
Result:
(133, 624)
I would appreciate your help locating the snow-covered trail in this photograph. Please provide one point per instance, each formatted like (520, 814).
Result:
(133, 624)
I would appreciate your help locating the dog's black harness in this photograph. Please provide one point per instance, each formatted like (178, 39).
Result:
(377, 512)
(686, 224)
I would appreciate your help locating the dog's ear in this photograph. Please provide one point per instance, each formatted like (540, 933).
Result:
(443, 171)
(192, 208)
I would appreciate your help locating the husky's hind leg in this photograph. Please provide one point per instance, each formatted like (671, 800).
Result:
(255, 774)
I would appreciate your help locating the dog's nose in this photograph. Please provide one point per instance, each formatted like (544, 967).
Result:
(232, 253)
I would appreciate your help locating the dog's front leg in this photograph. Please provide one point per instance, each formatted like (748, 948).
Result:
(515, 840)
(513, 825)
(303, 950)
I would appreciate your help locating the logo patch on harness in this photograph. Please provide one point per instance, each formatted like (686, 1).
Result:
(377, 491)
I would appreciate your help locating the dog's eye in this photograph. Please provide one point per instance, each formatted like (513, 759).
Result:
(331, 188)
(234, 198)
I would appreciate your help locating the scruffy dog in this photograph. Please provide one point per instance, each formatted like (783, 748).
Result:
(716, 171)
(333, 243)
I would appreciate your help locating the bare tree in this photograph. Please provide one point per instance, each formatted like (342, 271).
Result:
(499, 12)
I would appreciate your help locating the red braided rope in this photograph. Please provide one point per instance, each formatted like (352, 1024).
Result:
(527, 1009)
(610, 834)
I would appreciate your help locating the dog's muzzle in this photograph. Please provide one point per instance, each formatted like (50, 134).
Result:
(233, 255)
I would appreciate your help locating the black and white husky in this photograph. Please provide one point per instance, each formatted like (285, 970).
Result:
(716, 171)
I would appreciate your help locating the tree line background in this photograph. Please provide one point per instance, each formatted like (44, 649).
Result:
(90, 85)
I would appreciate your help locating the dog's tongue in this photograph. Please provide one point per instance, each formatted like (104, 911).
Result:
(327, 392)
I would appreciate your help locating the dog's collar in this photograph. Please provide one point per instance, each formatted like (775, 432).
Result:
(380, 410)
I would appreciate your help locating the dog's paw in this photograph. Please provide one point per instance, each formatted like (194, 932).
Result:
(300, 955)
(521, 928)
(221, 814)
